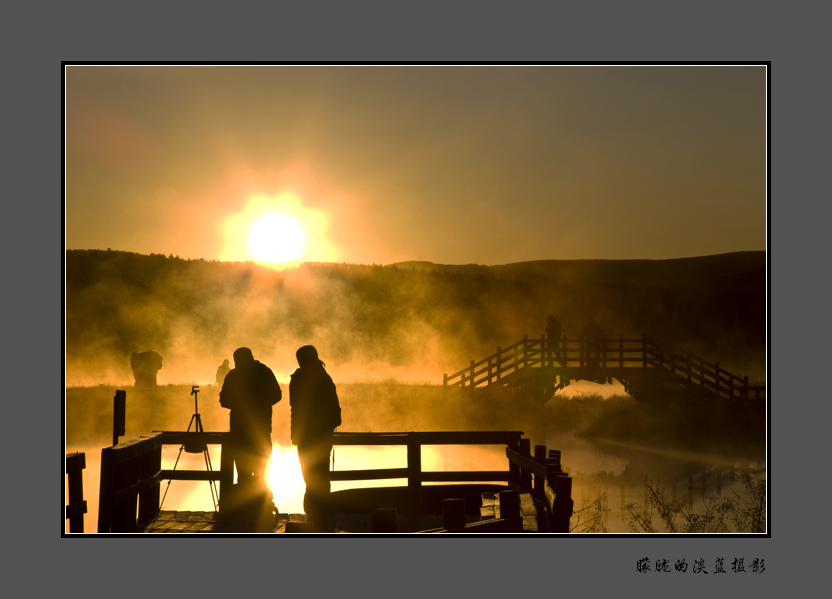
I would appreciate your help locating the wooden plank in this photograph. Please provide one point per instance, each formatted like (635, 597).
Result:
(526, 463)
(374, 474)
(73, 510)
(132, 448)
(466, 476)
(428, 438)
(132, 491)
(198, 475)
(180, 437)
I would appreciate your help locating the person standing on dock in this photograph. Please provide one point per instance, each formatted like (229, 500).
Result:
(249, 391)
(316, 413)
(553, 334)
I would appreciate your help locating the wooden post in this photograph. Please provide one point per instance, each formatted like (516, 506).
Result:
(525, 475)
(490, 370)
(119, 415)
(499, 363)
(75, 464)
(540, 481)
(716, 378)
(384, 519)
(563, 505)
(514, 469)
(453, 513)
(148, 465)
(621, 350)
(105, 490)
(553, 460)
(525, 351)
(125, 507)
(509, 504)
(414, 474)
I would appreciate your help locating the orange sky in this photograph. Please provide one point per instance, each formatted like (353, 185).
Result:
(450, 164)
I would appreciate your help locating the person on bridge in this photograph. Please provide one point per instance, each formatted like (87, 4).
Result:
(249, 391)
(553, 334)
(316, 413)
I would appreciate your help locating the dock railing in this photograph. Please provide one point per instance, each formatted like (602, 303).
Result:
(539, 474)
(76, 506)
(131, 474)
(610, 354)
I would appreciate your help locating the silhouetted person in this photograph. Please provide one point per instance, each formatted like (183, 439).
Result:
(249, 391)
(553, 334)
(145, 365)
(222, 371)
(316, 414)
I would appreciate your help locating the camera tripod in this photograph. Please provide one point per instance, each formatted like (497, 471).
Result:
(196, 446)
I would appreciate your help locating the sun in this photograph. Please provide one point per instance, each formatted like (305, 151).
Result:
(276, 238)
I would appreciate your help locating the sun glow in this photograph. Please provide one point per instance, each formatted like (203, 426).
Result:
(286, 480)
(277, 231)
(276, 238)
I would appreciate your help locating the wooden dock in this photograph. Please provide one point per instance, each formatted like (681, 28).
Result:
(532, 494)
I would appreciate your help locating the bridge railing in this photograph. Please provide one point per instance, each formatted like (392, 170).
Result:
(539, 474)
(77, 506)
(533, 352)
(607, 353)
(698, 371)
(131, 473)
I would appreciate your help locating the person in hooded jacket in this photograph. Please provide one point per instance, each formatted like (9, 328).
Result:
(316, 413)
(249, 391)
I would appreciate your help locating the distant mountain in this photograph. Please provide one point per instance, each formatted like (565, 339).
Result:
(677, 271)
(415, 319)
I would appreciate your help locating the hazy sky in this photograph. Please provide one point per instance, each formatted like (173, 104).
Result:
(451, 164)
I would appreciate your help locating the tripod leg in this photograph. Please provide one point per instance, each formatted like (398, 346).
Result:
(195, 417)
(214, 494)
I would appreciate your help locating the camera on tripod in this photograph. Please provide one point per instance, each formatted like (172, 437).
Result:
(195, 444)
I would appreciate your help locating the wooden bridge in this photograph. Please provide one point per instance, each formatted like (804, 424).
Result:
(650, 371)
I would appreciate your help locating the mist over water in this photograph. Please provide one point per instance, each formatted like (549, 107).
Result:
(379, 327)
(410, 323)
